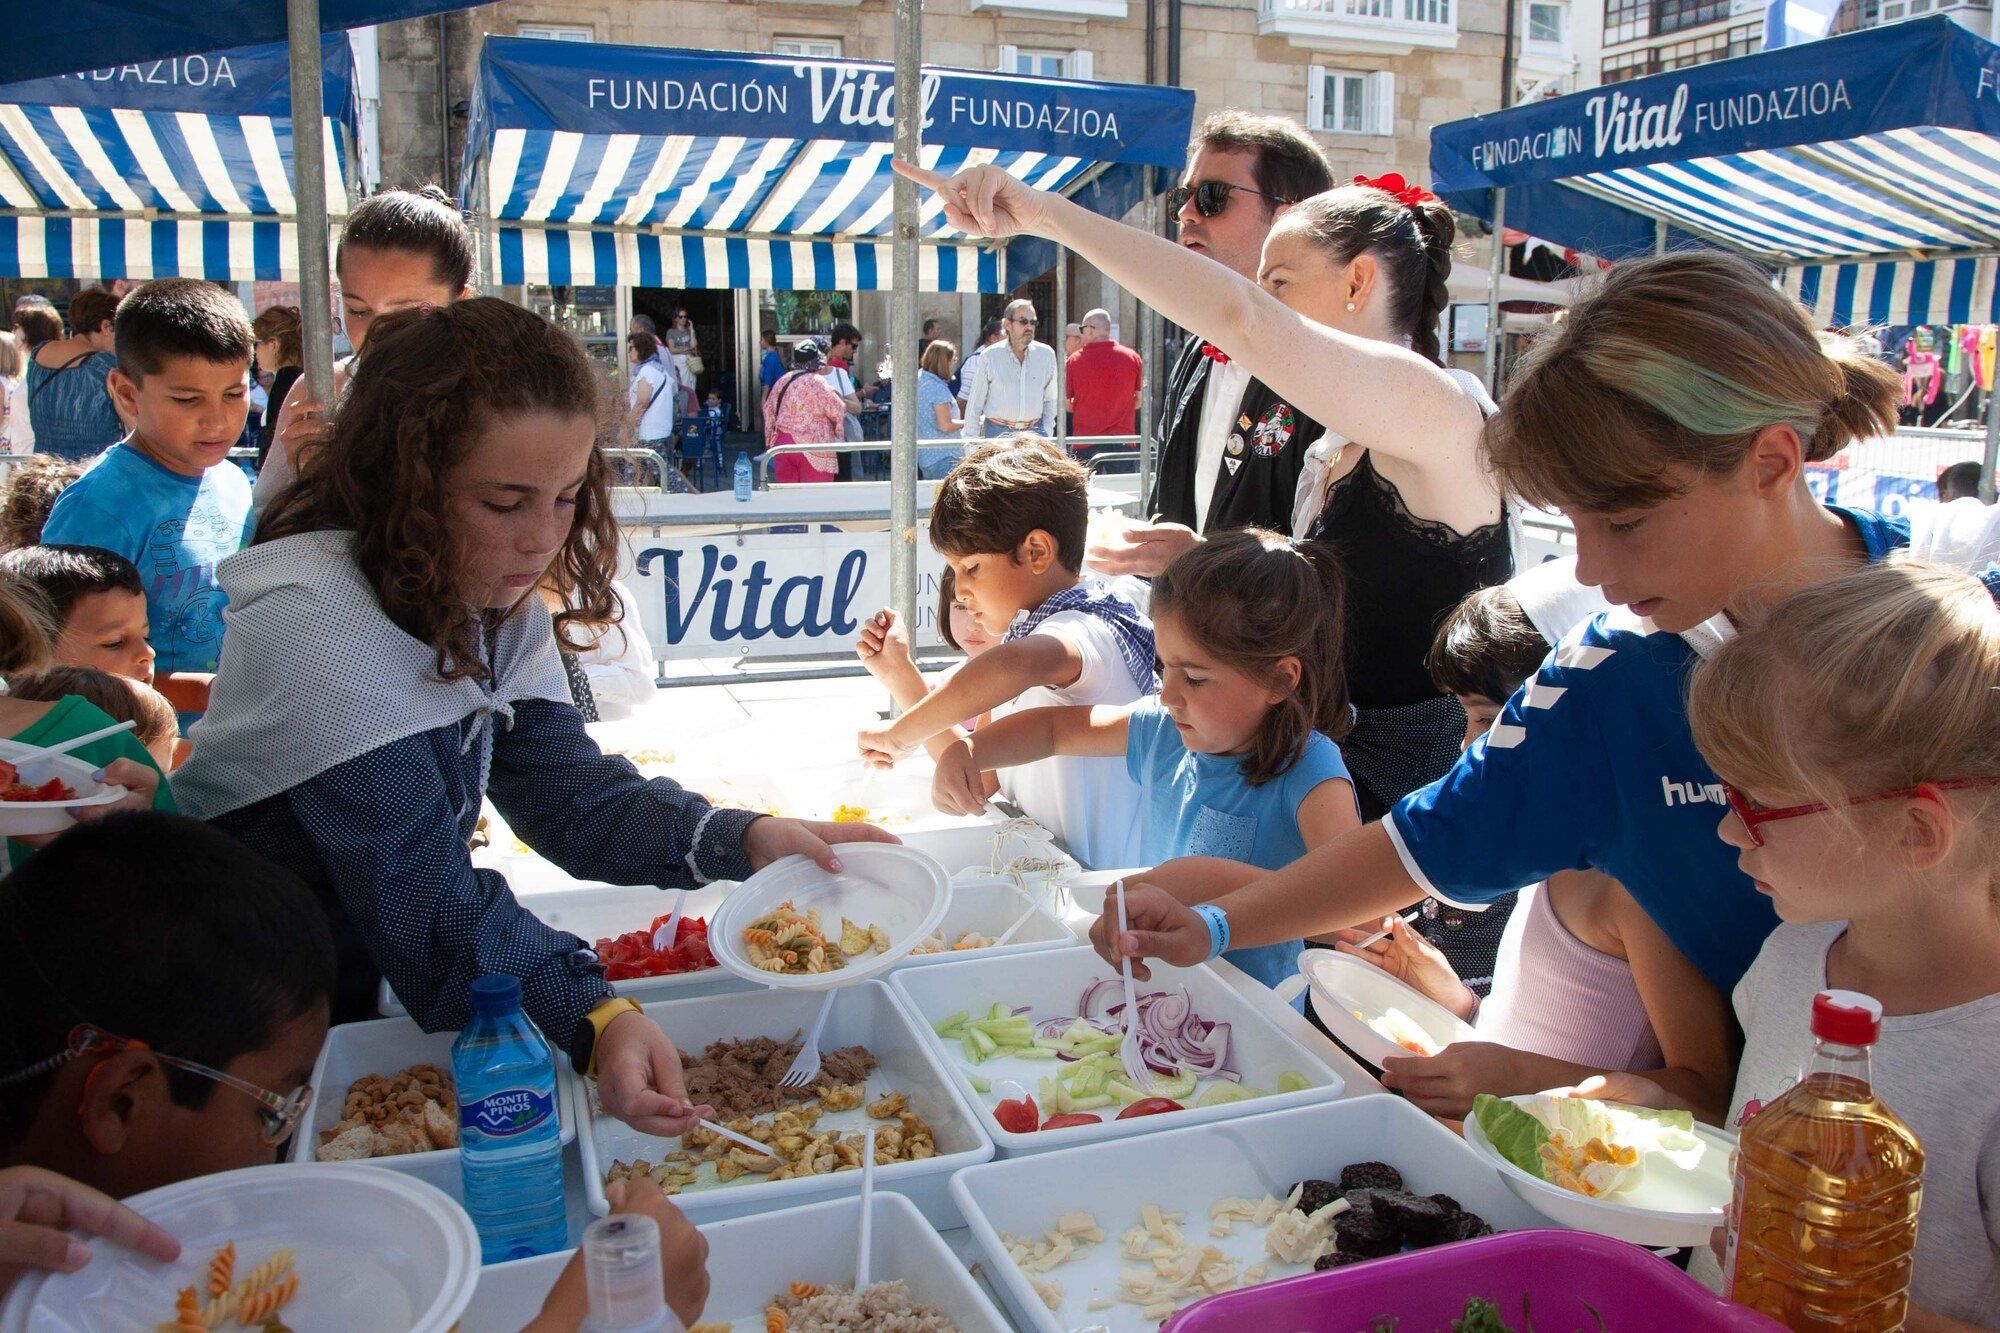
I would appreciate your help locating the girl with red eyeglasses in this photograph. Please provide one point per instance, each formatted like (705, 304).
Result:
(1857, 735)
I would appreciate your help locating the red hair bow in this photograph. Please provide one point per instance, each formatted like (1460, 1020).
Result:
(1393, 183)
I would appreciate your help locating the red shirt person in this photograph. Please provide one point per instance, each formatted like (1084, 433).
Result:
(1104, 381)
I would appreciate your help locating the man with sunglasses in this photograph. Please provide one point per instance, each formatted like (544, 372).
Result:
(1230, 451)
(1011, 386)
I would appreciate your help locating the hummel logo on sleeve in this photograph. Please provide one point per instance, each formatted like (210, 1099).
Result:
(1692, 793)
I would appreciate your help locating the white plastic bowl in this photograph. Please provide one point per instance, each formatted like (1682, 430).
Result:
(25, 819)
(1669, 1206)
(376, 1250)
(1342, 984)
(897, 888)
(817, 1244)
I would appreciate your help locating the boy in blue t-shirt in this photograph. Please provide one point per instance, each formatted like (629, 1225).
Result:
(167, 498)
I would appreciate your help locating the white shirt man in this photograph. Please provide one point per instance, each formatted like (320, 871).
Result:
(1012, 384)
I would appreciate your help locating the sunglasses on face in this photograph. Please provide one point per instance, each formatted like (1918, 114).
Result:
(280, 1115)
(1211, 197)
(1753, 814)
(1024, 323)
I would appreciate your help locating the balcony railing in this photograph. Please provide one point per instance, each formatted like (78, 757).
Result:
(1369, 27)
(1068, 11)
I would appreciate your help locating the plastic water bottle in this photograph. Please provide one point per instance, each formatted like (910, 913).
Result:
(509, 1137)
(742, 478)
(621, 1274)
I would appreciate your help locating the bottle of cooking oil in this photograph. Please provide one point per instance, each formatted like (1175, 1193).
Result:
(1828, 1181)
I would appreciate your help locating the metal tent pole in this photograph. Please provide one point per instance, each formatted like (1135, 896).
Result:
(1149, 354)
(1059, 341)
(1660, 236)
(904, 329)
(1499, 270)
(309, 192)
(1992, 459)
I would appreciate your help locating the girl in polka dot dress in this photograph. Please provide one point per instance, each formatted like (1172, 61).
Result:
(388, 666)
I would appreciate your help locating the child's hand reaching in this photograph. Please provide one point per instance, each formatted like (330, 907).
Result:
(959, 787)
(683, 1262)
(884, 644)
(1410, 958)
(880, 747)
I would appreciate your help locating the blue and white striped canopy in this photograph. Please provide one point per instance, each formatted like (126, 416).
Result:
(1867, 166)
(601, 164)
(178, 167)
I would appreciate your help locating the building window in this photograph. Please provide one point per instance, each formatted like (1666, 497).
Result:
(807, 48)
(1737, 41)
(1626, 20)
(556, 32)
(1045, 62)
(1351, 101)
(1545, 21)
(1678, 15)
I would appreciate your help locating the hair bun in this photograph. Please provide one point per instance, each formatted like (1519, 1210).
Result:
(1864, 405)
(436, 194)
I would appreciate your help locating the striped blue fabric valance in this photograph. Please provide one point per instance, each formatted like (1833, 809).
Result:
(168, 168)
(648, 166)
(1868, 164)
(1948, 291)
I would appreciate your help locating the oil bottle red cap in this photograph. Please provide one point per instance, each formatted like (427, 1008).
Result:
(1847, 1017)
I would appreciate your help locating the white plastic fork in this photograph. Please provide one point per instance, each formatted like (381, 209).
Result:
(805, 1065)
(29, 763)
(1128, 1050)
(861, 1264)
(663, 938)
(733, 1136)
(1014, 929)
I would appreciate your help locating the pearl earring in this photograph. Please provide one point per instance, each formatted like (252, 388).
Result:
(1350, 307)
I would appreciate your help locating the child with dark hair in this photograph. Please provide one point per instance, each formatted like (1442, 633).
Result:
(390, 663)
(98, 602)
(30, 493)
(168, 499)
(399, 250)
(1584, 983)
(1236, 759)
(120, 698)
(1010, 522)
(187, 1050)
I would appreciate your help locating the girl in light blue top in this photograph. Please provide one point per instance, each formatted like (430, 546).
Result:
(1236, 756)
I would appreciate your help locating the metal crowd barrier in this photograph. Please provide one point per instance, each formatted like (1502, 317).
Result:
(1072, 442)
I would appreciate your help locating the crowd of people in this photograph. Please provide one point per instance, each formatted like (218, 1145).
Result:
(1742, 747)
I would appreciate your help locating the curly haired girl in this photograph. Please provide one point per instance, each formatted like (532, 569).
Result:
(388, 664)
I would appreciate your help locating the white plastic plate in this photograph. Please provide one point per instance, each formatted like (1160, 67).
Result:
(1186, 1170)
(817, 1242)
(864, 1015)
(1342, 985)
(21, 819)
(376, 1250)
(387, 1046)
(1668, 1206)
(897, 888)
(1052, 983)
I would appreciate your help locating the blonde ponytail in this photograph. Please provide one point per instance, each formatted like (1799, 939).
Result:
(1876, 680)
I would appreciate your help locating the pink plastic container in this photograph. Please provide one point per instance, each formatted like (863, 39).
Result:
(1558, 1272)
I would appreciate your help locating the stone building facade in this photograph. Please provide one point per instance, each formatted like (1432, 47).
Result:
(1371, 77)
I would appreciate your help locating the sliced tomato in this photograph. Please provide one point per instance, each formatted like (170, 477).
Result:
(1018, 1115)
(1149, 1106)
(1070, 1118)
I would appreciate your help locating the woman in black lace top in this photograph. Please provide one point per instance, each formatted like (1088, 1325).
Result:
(1353, 286)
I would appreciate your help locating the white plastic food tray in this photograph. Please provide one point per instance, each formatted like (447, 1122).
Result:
(988, 906)
(865, 1014)
(817, 1242)
(1053, 982)
(387, 1046)
(1184, 1171)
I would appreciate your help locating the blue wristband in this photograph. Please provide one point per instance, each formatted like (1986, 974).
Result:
(1217, 922)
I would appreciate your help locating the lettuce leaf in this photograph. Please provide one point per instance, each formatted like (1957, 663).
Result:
(1515, 1134)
